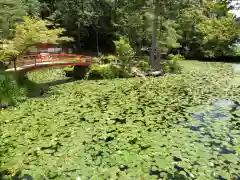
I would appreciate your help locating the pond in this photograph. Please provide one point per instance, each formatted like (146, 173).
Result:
(212, 144)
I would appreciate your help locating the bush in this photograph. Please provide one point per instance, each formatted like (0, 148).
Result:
(108, 59)
(96, 60)
(10, 91)
(78, 72)
(69, 71)
(107, 71)
(143, 64)
(125, 53)
(172, 65)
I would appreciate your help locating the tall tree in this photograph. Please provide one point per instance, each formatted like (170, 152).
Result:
(11, 11)
(30, 33)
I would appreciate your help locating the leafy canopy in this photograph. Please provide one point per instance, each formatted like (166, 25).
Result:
(31, 32)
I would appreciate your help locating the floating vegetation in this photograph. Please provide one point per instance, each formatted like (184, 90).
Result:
(162, 128)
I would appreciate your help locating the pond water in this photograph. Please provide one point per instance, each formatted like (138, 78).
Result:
(205, 147)
(213, 141)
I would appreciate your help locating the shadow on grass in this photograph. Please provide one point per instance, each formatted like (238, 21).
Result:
(39, 90)
(3, 175)
(59, 82)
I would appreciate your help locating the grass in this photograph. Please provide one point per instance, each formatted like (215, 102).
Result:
(124, 128)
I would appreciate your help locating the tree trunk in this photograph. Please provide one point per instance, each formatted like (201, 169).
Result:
(97, 41)
(154, 37)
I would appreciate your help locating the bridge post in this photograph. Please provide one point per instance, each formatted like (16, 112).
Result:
(80, 58)
(90, 60)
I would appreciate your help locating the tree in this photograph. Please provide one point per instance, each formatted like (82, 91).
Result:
(218, 35)
(32, 7)
(167, 35)
(11, 11)
(29, 33)
(125, 53)
(95, 24)
(209, 30)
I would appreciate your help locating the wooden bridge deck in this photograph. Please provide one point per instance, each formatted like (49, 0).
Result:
(55, 60)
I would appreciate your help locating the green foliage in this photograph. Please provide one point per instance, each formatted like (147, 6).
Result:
(29, 33)
(69, 71)
(108, 59)
(218, 35)
(188, 24)
(107, 71)
(11, 11)
(173, 65)
(10, 91)
(143, 64)
(167, 35)
(8, 53)
(32, 7)
(125, 53)
(209, 31)
(96, 60)
(34, 31)
(123, 128)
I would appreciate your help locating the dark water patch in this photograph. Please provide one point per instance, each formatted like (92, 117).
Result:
(195, 128)
(212, 143)
(216, 115)
(225, 150)
(133, 141)
(108, 139)
(221, 178)
(208, 134)
(199, 116)
(178, 168)
(123, 168)
(176, 159)
(230, 140)
(198, 141)
(213, 127)
(227, 162)
(156, 173)
(195, 164)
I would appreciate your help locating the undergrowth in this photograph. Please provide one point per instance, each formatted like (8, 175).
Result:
(10, 90)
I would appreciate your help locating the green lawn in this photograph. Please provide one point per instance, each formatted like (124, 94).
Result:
(125, 128)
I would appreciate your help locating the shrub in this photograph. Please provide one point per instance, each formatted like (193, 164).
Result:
(108, 59)
(172, 65)
(69, 71)
(96, 60)
(10, 91)
(143, 64)
(125, 53)
(78, 72)
(107, 71)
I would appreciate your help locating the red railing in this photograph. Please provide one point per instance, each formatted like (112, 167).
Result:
(57, 59)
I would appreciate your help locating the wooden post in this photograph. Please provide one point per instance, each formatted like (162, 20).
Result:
(80, 58)
(90, 59)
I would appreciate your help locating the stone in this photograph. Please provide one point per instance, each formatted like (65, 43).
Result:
(156, 73)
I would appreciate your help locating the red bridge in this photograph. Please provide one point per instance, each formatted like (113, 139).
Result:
(40, 61)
